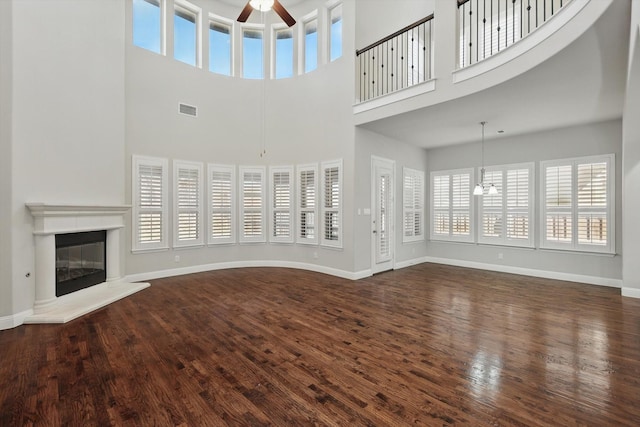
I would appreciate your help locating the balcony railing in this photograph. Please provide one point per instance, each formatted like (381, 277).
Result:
(490, 26)
(398, 61)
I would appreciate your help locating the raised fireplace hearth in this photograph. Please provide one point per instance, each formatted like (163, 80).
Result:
(77, 260)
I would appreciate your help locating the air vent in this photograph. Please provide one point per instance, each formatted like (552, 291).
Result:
(188, 110)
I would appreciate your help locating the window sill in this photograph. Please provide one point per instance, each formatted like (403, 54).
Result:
(194, 246)
(149, 250)
(578, 252)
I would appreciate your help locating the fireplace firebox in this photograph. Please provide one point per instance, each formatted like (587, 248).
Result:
(81, 261)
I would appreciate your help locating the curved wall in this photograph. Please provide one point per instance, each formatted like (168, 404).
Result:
(308, 119)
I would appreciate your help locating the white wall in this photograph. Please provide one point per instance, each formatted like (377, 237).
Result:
(591, 139)
(372, 144)
(6, 62)
(631, 164)
(377, 19)
(308, 119)
(68, 116)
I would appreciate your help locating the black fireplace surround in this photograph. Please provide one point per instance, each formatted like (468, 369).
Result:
(81, 261)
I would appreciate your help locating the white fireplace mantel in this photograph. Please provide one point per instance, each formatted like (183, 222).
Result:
(49, 220)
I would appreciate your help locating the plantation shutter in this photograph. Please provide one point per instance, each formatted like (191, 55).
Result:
(307, 206)
(221, 206)
(461, 216)
(558, 204)
(492, 204)
(332, 205)
(252, 205)
(188, 193)
(451, 205)
(441, 205)
(413, 205)
(282, 205)
(150, 203)
(592, 203)
(517, 199)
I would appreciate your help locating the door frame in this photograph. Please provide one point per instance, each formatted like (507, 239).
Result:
(389, 265)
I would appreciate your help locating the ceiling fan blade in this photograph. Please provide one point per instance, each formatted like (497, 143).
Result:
(244, 15)
(282, 13)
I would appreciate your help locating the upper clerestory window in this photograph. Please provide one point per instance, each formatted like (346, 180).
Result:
(147, 25)
(220, 47)
(335, 30)
(185, 33)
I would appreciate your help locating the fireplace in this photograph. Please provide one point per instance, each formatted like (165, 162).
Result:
(78, 265)
(81, 261)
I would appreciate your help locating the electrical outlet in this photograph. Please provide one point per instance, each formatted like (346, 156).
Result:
(177, 258)
(500, 255)
(315, 255)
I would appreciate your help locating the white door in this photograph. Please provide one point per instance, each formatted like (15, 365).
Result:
(382, 197)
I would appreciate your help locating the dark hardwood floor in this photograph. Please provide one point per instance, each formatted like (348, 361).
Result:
(426, 345)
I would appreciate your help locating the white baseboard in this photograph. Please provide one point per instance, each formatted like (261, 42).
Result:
(631, 292)
(408, 263)
(8, 322)
(141, 277)
(569, 277)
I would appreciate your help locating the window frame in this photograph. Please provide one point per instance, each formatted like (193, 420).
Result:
(338, 211)
(230, 25)
(185, 7)
(331, 7)
(261, 29)
(199, 240)
(163, 27)
(504, 210)
(300, 210)
(231, 210)
(273, 209)
(136, 162)
(302, 55)
(262, 237)
(470, 238)
(413, 210)
(575, 210)
(275, 29)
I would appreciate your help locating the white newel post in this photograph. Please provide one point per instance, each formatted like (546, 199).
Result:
(45, 271)
(113, 255)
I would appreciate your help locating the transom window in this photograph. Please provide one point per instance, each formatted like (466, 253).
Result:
(252, 53)
(283, 53)
(310, 45)
(185, 33)
(147, 25)
(220, 47)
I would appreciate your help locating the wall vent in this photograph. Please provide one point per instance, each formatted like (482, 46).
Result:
(188, 110)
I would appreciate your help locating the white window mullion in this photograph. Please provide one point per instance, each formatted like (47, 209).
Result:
(252, 205)
(332, 228)
(187, 197)
(281, 216)
(150, 203)
(307, 203)
(222, 204)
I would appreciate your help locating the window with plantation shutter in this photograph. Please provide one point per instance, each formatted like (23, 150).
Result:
(331, 204)
(187, 197)
(222, 204)
(451, 205)
(150, 194)
(413, 205)
(252, 205)
(505, 218)
(578, 207)
(281, 205)
(307, 215)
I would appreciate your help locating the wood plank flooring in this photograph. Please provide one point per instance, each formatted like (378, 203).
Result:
(427, 345)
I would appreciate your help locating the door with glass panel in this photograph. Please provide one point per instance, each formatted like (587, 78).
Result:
(382, 198)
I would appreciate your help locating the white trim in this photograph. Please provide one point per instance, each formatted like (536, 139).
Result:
(527, 43)
(159, 274)
(630, 292)
(545, 274)
(9, 322)
(408, 263)
(396, 96)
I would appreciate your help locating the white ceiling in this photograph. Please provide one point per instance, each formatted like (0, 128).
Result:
(583, 83)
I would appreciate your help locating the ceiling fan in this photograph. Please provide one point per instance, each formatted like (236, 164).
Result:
(263, 6)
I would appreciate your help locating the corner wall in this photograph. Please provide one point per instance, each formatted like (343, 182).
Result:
(6, 101)
(585, 140)
(68, 117)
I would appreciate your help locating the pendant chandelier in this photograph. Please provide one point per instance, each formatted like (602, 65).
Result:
(479, 188)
